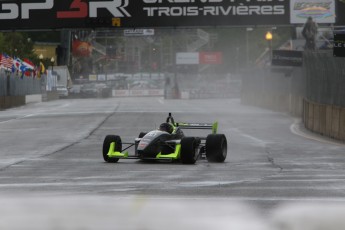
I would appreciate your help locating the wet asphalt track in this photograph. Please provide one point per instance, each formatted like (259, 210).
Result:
(53, 150)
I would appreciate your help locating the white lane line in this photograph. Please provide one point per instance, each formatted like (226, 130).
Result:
(234, 198)
(294, 128)
(32, 114)
(254, 140)
(17, 118)
(76, 183)
(162, 184)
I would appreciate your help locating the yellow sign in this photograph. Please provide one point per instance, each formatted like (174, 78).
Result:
(116, 22)
(92, 77)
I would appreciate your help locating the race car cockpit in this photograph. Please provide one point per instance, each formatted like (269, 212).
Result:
(166, 127)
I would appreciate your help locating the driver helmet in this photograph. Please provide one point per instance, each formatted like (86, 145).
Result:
(166, 127)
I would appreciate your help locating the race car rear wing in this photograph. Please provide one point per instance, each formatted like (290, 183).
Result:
(213, 127)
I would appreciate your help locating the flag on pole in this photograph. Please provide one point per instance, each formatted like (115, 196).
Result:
(6, 62)
(42, 68)
(28, 64)
(17, 63)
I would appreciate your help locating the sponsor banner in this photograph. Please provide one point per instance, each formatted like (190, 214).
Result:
(120, 93)
(322, 11)
(339, 45)
(138, 93)
(191, 58)
(156, 92)
(139, 32)
(62, 14)
(111, 77)
(92, 77)
(196, 58)
(211, 58)
(287, 58)
(101, 77)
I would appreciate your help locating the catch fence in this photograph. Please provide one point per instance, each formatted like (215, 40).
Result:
(325, 78)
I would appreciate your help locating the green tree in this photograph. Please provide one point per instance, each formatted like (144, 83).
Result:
(18, 44)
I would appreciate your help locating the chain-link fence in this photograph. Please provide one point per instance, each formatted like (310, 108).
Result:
(325, 76)
(14, 85)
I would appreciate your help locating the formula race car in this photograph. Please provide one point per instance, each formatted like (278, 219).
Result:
(168, 142)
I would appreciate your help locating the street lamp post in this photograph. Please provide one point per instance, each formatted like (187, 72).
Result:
(249, 29)
(269, 38)
(52, 60)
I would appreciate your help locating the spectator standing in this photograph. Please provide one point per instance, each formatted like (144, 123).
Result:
(309, 32)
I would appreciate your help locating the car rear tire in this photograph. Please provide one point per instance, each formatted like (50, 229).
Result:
(189, 150)
(216, 148)
(106, 145)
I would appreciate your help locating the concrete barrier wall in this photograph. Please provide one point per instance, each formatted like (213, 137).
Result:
(50, 96)
(11, 101)
(274, 90)
(292, 104)
(15, 101)
(33, 98)
(327, 120)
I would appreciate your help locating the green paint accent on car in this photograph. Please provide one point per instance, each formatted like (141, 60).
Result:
(215, 127)
(114, 154)
(173, 156)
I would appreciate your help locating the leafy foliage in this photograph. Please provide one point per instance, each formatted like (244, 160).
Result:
(17, 44)
(21, 44)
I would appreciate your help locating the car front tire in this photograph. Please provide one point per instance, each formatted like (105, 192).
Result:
(106, 145)
(189, 150)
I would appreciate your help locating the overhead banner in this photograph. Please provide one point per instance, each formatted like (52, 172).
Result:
(322, 11)
(59, 14)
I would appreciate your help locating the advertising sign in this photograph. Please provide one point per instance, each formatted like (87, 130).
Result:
(196, 58)
(59, 14)
(92, 77)
(191, 58)
(322, 11)
(211, 58)
(139, 32)
(287, 58)
(339, 45)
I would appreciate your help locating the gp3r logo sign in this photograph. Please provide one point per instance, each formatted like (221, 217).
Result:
(77, 9)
